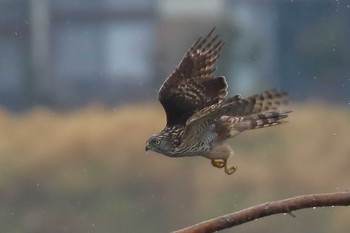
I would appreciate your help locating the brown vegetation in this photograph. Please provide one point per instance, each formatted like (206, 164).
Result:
(86, 171)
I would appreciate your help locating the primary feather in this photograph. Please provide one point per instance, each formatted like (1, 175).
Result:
(192, 86)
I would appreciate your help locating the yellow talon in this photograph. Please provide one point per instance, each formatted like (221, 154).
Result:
(222, 163)
(230, 170)
(219, 163)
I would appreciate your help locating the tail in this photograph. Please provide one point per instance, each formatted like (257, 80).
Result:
(231, 126)
(262, 120)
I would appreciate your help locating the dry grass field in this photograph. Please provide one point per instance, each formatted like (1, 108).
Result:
(86, 171)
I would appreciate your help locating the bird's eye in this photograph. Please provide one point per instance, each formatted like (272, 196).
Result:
(157, 142)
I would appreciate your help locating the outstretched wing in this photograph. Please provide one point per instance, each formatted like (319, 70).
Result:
(239, 107)
(192, 86)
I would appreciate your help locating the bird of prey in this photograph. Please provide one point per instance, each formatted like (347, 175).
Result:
(200, 118)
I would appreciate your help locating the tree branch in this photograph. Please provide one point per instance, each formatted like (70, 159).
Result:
(269, 208)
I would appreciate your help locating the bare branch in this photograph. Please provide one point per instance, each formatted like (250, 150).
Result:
(269, 208)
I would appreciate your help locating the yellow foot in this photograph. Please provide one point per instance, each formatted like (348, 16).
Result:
(229, 170)
(219, 163)
(222, 163)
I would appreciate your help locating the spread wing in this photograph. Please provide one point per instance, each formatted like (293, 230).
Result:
(237, 106)
(192, 86)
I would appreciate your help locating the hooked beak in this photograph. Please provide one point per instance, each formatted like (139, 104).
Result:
(147, 147)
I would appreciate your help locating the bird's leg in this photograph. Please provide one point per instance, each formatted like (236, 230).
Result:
(222, 163)
(219, 156)
(219, 163)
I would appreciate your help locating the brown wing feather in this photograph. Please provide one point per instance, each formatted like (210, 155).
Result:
(265, 101)
(238, 107)
(192, 86)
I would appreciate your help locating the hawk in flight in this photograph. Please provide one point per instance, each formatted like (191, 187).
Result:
(200, 118)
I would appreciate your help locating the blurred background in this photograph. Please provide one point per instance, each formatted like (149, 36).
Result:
(78, 100)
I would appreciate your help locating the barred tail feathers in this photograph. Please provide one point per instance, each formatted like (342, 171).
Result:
(262, 120)
(236, 125)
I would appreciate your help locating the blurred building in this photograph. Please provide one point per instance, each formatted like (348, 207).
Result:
(66, 54)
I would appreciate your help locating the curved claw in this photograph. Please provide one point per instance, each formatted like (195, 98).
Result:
(230, 170)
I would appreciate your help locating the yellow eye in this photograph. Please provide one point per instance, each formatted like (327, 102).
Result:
(157, 142)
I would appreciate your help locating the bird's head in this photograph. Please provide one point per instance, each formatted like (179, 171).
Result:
(160, 144)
